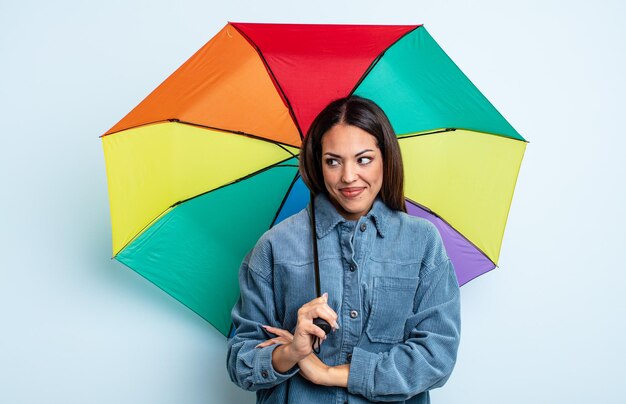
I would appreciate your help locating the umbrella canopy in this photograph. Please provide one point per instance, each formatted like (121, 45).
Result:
(208, 161)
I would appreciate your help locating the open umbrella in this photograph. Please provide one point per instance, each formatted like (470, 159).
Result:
(208, 161)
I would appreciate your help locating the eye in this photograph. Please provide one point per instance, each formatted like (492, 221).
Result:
(331, 162)
(364, 160)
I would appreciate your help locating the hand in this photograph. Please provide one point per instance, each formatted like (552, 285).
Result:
(288, 353)
(283, 337)
(306, 331)
(311, 367)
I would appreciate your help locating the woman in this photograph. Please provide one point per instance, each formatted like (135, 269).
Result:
(391, 297)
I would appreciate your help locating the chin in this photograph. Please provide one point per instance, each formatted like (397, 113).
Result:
(357, 211)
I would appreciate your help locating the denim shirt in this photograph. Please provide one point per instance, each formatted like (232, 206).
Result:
(390, 282)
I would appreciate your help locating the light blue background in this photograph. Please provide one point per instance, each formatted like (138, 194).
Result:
(77, 327)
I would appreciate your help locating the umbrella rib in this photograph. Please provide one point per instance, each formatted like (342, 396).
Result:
(400, 137)
(377, 59)
(282, 203)
(285, 149)
(426, 133)
(235, 132)
(452, 227)
(138, 126)
(169, 294)
(275, 165)
(142, 230)
(275, 80)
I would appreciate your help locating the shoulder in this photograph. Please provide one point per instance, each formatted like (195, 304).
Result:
(286, 237)
(414, 223)
(419, 235)
(402, 225)
(296, 226)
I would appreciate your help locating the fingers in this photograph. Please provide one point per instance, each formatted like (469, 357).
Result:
(284, 337)
(278, 331)
(318, 308)
(329, 315)
(311, 329)
(305, 332)
(273, 341)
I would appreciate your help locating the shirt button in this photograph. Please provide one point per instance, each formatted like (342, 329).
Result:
(354, 314)
(264, 374)
(352, 267)
(349, 357)
(363, 226)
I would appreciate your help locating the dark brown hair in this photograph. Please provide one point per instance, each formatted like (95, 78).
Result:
(368, 116)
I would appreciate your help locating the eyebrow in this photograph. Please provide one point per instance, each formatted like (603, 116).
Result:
(356, 155)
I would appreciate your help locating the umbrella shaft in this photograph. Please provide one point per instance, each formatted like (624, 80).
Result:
(316, 263)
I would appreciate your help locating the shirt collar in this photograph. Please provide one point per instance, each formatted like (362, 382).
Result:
(327, 217)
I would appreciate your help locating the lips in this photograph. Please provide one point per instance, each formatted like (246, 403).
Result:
(351, 192)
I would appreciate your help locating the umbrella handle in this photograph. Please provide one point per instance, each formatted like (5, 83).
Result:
(323, 324)
(320, 322)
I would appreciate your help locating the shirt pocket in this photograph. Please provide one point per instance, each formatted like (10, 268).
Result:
(392, 304)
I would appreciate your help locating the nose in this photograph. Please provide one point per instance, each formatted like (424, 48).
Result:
(349, 174)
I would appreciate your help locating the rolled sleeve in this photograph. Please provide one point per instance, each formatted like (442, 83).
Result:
(361, 377)
(250, 367)
(264, 372)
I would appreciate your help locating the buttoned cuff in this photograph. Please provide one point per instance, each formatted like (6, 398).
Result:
(264, 372)
(361, 377)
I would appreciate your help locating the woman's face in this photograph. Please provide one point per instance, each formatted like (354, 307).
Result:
(352, 166)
